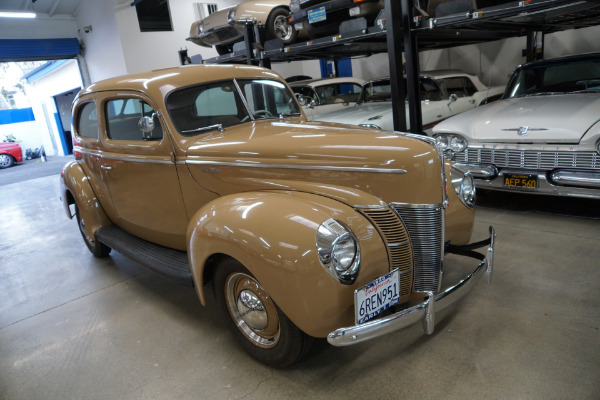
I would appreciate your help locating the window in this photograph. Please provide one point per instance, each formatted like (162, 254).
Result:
(338, 93)
(429, 90)
(199, 109)
(123, 116)
(153, 15)
(87, 122)
(454, 86)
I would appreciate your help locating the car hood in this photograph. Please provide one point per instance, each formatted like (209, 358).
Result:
(277, 155)
(535, 119)
(366, 113)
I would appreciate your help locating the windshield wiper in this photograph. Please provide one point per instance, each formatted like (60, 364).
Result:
(219, 127)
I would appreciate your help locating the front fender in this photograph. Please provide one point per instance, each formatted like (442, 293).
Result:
(76, 189)
(273, 234)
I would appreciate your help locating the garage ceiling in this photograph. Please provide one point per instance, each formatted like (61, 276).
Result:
(49, 7)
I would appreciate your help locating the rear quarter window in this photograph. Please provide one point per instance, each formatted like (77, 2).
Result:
(87, 121)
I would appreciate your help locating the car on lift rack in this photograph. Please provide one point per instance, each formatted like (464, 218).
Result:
(319, 96)
(542, 137)
(211, 174)
(10, 154)
(321, 18)
(443, 93)
(223, 28)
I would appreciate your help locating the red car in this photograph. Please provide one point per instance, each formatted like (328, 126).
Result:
(10, 153)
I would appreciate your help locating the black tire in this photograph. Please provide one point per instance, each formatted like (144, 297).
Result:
(6, 161)
(278, 26)
(264, 333)
(97, 248)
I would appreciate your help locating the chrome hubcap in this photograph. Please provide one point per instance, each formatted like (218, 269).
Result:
(283, 30)
(4, 160)
(252, 310)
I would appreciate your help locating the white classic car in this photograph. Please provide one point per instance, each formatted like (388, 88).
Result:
(320, 96)
(543, 136)
(443, 93)
(223, 28)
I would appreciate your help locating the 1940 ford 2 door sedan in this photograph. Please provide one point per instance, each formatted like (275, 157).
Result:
(211, 174)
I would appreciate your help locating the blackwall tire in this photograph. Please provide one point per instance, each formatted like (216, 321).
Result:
(255, 320)
(97, 248)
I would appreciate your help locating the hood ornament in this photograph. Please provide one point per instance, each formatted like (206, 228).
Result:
(524, 130)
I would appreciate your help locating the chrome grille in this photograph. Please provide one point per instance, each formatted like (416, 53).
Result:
(531, 159)
(425, 227)
(397, 241)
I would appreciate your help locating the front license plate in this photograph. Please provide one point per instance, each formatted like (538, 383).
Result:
(317, 15)
(521, 181)
(377, 296)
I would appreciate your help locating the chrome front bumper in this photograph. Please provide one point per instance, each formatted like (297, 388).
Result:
(425, 311)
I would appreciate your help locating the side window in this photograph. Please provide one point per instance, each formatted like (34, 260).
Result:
(429, 90)
(455, 86)
(87, 121)
(123, 115)
(216, 101)
(470, 88)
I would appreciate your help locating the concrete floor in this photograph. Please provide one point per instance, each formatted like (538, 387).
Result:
(75, 327)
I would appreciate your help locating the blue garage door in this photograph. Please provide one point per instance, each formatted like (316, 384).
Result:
(38, 49)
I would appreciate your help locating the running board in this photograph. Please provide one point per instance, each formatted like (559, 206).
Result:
(169, 263)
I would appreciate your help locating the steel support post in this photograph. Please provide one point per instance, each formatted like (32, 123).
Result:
(394, 42)
(411, 55)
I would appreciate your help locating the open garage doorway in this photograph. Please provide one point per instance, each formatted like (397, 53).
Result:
(63, 103)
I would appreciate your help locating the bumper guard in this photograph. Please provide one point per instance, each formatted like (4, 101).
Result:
(425, 311)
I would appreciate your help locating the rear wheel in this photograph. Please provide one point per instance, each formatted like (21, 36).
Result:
(6, 161)
(279, 28)
(97, 248)
(255, 320)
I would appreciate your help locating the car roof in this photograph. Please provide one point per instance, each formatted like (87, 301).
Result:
(574, 57)
(325, 81)
(161, 81)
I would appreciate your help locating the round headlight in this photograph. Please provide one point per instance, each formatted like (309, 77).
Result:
(231, 15)
(338, 251)
(442, 142)
(294, 6)
(201, 27)
(457, 143)
(464, 186)
(598, 146)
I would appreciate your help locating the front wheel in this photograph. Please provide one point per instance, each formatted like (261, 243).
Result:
(255, 320)
(279, 28)
(97, 248)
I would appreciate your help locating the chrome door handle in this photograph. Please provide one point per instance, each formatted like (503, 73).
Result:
(106, 167)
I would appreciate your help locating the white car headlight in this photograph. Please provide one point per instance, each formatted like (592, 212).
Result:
(450, 143)
(463, 186)
(339, 251)
(294, 6)
(231, 15)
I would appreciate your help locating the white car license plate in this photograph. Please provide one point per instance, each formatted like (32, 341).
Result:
(377, 296)
(317, 15)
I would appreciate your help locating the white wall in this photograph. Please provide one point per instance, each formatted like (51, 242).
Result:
(103, 50)
(41, 92)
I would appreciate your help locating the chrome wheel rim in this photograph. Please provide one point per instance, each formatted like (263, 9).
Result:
(252, 310)
(283, 30)
(4, 160)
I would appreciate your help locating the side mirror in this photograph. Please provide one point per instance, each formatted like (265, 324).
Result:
(453, 98)
(146, 124)
(301, 99)
(312, 104)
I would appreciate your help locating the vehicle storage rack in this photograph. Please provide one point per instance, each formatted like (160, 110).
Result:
(406, 29)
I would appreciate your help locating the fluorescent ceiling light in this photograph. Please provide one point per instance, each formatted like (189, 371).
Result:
(4, 14)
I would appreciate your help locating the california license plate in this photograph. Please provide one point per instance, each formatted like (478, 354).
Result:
(377, 296)
(317, 15)
(529, 181)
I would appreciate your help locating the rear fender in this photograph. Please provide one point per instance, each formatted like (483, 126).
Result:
(76, 189)
(273, 235)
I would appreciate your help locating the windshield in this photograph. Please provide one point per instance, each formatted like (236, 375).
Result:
(565, 77)
(382, 91)
(218, 105)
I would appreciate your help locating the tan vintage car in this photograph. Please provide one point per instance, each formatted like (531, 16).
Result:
(211, 174)
(223, 28)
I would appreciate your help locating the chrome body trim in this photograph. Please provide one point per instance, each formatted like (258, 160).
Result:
(481, 171)
(424, 312)
(128, 158)
(190, 160)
